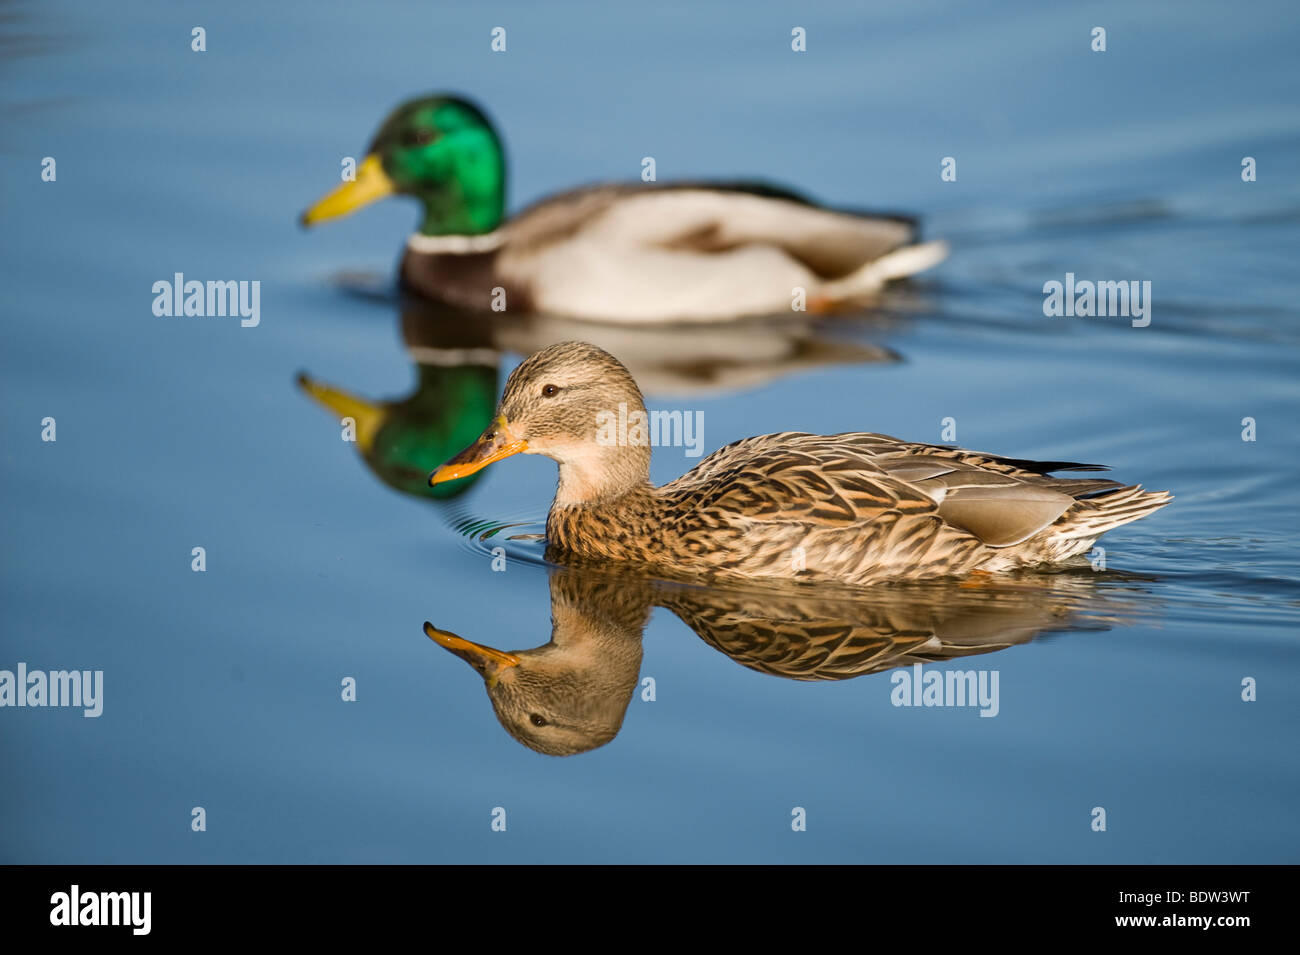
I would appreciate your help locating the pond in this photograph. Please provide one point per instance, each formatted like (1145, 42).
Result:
(289, 688)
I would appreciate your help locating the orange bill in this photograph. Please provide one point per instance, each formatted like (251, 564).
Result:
(493, 444)
(486, 660)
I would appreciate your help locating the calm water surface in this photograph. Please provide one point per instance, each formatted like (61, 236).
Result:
(1118, 689)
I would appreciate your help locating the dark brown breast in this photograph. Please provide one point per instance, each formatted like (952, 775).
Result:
(466, 281)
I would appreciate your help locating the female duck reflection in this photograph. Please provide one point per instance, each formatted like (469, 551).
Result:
(570, 695)
(457, 356)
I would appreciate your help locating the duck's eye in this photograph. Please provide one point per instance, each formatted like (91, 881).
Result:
(550, 391)
(537, 719)
(420, 137)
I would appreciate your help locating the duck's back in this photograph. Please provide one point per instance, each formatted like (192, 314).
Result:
(856, 508)
(862, 506)
(691, 251)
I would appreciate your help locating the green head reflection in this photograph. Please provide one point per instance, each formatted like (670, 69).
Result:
(402, 441)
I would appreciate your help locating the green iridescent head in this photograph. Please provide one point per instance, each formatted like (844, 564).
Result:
(443, 151)
(401, 441)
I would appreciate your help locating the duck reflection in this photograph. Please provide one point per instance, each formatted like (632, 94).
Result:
(570, 695)
(400, 440)
(457, 358)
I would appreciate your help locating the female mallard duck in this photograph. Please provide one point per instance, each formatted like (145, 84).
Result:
(571, 694)
(623, 253)
(849, 507)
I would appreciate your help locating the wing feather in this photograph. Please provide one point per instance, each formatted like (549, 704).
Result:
(859, 479)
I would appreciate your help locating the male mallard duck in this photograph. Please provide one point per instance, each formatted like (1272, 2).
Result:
(847, 507)
(620, 253)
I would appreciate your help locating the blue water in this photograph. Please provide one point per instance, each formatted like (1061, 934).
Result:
(222, 688)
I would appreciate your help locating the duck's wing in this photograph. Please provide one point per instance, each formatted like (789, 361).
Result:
(1002, 501)
(826, 482)
(706, 217)
(700, 253)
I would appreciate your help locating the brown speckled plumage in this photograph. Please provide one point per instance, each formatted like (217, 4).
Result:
(855, 507)
(570, 694)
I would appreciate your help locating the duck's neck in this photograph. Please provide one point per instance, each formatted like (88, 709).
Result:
(594, 472)
(605, 505)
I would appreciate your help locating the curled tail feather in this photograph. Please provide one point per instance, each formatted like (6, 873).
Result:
(897, 264)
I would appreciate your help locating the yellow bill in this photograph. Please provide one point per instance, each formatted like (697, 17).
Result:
(493, 444)
(371, 184)
(369, 417)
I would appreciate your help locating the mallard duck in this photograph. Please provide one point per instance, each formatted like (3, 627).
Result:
(570, 695)
(855, 508)
(643, 252)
